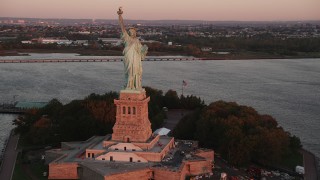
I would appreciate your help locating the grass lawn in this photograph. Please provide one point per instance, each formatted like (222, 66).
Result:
(37, 169)
(26, 169)
(18, 173)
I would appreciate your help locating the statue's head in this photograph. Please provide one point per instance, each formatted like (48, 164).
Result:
(132, 32)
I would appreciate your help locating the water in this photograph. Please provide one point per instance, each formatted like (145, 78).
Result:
(289, 90)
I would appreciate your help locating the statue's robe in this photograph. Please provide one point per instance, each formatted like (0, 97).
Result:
(133, 53)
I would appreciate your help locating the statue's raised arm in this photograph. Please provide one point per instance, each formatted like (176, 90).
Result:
(123, 29)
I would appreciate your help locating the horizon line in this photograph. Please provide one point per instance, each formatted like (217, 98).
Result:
(165, 19)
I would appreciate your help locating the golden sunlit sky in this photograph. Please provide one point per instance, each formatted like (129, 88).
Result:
(215, 10)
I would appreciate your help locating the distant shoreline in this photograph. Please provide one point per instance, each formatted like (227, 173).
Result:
(233, 56)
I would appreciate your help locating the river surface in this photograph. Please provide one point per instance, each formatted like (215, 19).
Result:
(287, 89)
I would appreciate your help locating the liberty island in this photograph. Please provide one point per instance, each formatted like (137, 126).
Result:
(133, 87)
(132, 151)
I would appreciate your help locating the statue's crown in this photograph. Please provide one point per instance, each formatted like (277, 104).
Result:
(133, 28)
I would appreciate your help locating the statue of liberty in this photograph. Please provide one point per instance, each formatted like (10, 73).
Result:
(133, 53)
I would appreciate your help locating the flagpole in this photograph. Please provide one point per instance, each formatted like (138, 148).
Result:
(182, 96)
(182, 88)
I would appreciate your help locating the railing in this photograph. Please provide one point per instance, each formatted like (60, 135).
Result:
(91, 60)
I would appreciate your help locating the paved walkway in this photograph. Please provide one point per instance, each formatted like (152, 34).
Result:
(309, 163)
(9, 158)
(174, 116)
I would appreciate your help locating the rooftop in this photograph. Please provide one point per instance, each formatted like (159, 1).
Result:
(108, 168)
(163, 141)
(73, 152)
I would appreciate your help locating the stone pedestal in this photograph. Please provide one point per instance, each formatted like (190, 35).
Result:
(132, 122)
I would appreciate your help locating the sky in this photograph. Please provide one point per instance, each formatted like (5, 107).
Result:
(208, 10)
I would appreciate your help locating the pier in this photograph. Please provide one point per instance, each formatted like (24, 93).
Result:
(20, 107)
(12, 111)
(91, 60)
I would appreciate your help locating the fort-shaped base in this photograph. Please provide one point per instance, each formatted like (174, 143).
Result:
(132, 122)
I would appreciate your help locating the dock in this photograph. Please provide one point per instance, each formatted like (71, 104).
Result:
(20, 107)
(12, 111)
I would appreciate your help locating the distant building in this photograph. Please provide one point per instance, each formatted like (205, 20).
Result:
(20, 21)
(51, 40)
(81, 42)
(81, 32)
(111, 41)
(206, 49)
(151, 33)
(148, 41)
(221, 52)
(26, 42)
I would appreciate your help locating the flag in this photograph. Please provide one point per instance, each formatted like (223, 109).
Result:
(184, 83)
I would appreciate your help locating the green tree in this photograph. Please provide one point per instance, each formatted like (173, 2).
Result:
(171, 100)
(185, 129)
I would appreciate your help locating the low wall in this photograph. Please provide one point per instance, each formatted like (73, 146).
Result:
(167, 174)
(199, 167)
(122, 156)
(205, 153)
(157, 156)
(134, 175)
(108, 143)
(63, 171)
(147, 146)
(93, 153)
